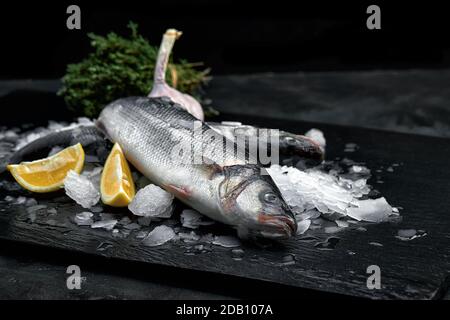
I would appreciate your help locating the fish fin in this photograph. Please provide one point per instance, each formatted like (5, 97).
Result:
(182, 192)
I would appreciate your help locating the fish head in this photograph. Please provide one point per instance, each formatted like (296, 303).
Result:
(256, 203)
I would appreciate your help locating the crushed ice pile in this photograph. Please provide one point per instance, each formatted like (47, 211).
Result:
(314, 193)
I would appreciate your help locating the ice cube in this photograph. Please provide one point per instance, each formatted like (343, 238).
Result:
(84, 218)
(53, 125)
(410, 234)
(189, 237)
(226, 241)
(81, 189)
(21, 200)
(159, 236)
(342, 223)
(105, 224)
(303, 226)
(358, 170)
(85, 121)
(372, 210)
(318, 221)
(152, 201)
(318, 136)
(406, 233)
(332, 229)
(309, 214)
(141, 234)
(193, 219)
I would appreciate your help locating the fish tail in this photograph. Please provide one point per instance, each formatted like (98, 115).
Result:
(40, 148)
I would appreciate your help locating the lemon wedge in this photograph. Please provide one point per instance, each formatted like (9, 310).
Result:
(117, 186)
(46, 175)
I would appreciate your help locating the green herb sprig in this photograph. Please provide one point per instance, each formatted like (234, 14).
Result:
(120, 67)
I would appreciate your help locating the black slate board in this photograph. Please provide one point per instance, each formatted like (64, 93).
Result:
(409, 269)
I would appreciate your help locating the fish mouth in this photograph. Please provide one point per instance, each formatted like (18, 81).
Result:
(277, 226)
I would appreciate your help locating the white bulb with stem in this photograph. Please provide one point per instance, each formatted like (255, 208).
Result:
(161, 88)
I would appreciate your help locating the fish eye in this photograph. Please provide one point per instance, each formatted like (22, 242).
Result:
(270, 197)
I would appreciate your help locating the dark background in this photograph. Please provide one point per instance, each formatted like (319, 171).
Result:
(233, 36)
(239, 37)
